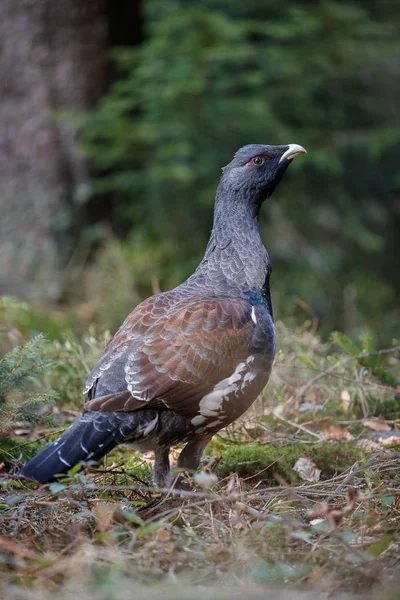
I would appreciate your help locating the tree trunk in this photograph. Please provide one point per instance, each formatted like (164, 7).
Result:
(52, 58)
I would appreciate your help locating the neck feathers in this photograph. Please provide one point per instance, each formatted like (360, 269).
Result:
(236, 259)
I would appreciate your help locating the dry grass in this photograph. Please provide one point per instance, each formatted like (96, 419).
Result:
(259, 531)
(93, 535)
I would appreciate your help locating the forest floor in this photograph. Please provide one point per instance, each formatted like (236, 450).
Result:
(298, 499)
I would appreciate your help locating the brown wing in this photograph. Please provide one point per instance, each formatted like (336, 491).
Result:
(134, 327)
(181, 356)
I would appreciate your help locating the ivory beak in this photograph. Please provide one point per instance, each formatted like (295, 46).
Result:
(292, 151)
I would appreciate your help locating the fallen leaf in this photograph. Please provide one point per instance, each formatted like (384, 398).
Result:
(391, 440)
(336, 433)
(320, 509)
(317, 575)
(317, 521)
(233, 487)
(163, 534)
(345, 397)
(104, 513)
(307, 469)
(334, 514)
(253, 429)
(221, 554)
(57, 487)
(21, 431)
(369, 446)
(313, 397)
(17, 549)
(376, 423)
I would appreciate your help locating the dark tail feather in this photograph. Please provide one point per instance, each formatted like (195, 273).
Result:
(90, 438)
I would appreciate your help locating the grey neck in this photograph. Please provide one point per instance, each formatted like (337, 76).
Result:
(235, 259)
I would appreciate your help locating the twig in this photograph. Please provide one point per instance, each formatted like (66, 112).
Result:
(380, 386)
(264, 469)
(354, 469)
(18, 522)
(117, 472)
(43, 437)
(301, 427)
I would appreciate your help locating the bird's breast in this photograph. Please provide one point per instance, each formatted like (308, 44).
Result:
(232, 396)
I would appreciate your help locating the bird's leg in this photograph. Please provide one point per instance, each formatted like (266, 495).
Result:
(161, 468)
(189, 458)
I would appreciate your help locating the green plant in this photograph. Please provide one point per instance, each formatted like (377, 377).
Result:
(21, 402)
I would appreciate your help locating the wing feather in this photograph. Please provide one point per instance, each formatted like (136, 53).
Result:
(175, 353)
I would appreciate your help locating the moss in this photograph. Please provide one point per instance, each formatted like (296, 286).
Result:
(248, 460)
(265, 461)
(335, 457)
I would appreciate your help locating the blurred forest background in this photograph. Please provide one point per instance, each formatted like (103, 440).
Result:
(115, 120)
(116, 117)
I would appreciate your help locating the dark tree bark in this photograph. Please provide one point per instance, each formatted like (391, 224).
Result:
(52, 58)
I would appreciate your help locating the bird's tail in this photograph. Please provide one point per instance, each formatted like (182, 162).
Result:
(90, 438)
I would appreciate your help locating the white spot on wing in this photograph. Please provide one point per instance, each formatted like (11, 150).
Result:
(209, 413)
(198, 420)
(250, 375)
(253, 315)
(236, 376)
(214, 423)
(66, 463)
(211, 403)
(135, 393)
(150, 426)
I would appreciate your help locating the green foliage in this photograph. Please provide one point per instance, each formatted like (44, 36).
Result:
(334, 458)
(339, 366)
(211, 76)
(59, 366)
(263, 462)
(22, 367)
(19, 320)
(37, 372)
(376, 362)
(135, 468)
(20, 400)
(73, 359)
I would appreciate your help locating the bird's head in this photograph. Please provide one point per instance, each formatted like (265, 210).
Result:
(256, 169)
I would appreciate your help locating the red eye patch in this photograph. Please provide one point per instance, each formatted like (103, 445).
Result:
(257, 160)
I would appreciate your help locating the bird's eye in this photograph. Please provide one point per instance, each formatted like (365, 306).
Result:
(257, 160)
